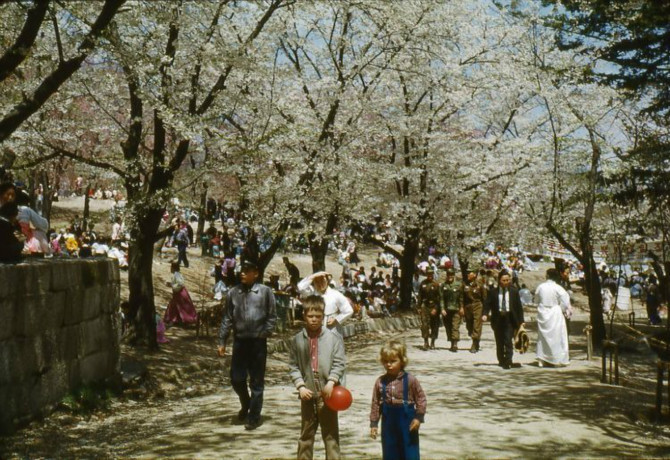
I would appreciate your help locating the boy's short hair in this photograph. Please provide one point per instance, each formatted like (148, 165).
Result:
(392, 349)
(314, 303)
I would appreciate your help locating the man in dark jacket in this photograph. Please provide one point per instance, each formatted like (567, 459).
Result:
(504, 306)
(293, 272)
(250, 313)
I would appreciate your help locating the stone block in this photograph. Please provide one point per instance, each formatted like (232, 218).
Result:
(103, 271)
(74, 374)
(111, 298)
(47, 348)
(91, 305)
(69, 343)
(8, 402)
(9, 274)
(7, 312)
(95, 367)
(8, 357)
(18, 361)
(89, 273)
(38, 278)
(96, 335)
(53, 315)
(114, 272)
(92, 272)
(14, 400)
(65, 275)
(27, 320)
(108, 328)
(49, 388)
(74, 306)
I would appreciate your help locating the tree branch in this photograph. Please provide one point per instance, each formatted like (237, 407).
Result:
(195, 77)
(556, 234)
(61, 152)
(220, 84)
(386, 247)
(59, 42)
(496, 177)
(18, 52)
(50, 85)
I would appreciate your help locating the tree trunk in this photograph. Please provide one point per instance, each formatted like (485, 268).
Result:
(201, 215)
(318, 248)
(665, 288)
(407, 269)
(591, 278)
(661, 276)
(47, 195)
(140, 277)
(265, 257)
(87, 208)
(594, 293)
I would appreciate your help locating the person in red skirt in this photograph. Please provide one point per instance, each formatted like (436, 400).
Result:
(180, 309)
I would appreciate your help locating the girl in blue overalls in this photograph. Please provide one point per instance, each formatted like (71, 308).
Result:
(397, 399)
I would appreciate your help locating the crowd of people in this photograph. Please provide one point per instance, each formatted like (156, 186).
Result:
(27, 233)
(484, 287)
(317, 362)
(317, 367)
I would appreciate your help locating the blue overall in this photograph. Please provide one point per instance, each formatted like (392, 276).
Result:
(398, 443)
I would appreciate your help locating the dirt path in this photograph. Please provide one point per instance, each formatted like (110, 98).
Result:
(475, 410)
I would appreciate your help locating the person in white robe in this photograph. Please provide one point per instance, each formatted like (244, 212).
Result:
(338, 309)
(553, 306)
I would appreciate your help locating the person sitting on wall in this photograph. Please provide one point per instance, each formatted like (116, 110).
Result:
(11, 238)
(33, 226)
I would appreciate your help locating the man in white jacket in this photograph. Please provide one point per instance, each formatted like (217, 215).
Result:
(338, 309)
(553, 306)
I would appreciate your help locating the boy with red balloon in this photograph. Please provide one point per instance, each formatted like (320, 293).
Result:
(317, 363)
(399, 400)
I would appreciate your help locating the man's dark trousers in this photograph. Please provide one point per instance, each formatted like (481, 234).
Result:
(181, 258)
(504, 334)
(249, 358)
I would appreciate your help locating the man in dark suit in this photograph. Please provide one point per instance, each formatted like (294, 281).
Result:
(504, 306)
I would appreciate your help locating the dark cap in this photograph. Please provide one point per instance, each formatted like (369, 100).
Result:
(249, 264)
(430, 271)
(451, 272)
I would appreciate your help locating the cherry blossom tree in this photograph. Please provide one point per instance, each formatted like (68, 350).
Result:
(167, 74)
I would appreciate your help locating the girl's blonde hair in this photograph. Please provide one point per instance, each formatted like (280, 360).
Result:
(393, 349)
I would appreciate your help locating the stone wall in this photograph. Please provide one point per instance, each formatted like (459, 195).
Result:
(58, 330)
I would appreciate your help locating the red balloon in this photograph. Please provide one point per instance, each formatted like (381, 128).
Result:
(340, 399)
